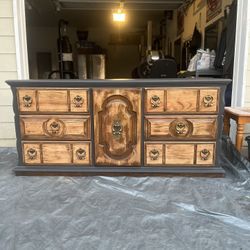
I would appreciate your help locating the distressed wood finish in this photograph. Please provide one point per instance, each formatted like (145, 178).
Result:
(55, 127)
(179, 154)
(180, 127)
(50, 100)
(182, 100)
(136, 127)
(56, 153)
(117, 116)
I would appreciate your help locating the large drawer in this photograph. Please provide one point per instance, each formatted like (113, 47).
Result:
(56, 153)
(53, 100)
(55, 127)
(177, 154)
(167, 127)
(181, 100)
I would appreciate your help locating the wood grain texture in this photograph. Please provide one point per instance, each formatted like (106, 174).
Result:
(181, 100)
(163, 127)
(22, 105)
(55, 127)
(152, 106)
(211, 158)
(117, 125)
(178, 154)
(83, 104)
(52, 100)
(57, 153)
(154, 147)
(214, 93)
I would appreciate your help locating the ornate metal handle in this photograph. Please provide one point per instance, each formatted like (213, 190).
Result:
(204, 154)
(117, 128)
(55, 127)
(27, 101)
(208, 101)
(155, 101)
(81, 154)
(78, 101)
(154, 154)
(180, 128)
(32, 153)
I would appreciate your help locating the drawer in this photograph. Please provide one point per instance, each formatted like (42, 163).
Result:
(181, 100)
(179, 154)
(55, 127)
(56, 153)
(53, 100)
(180, 127)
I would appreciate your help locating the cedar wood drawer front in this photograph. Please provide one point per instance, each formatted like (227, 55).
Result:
(53, 100)
(180, 127)
(184, 100)
(56, 153)
(55, 127)
(166, 154)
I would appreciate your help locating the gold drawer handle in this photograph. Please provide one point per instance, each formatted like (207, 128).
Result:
(154, 154)
(32, 153)
(204, 154)
(81, 154)
(180, 128)
(117, 128)
(27, 101)
(78, 101)
(208, 101)
(155, 101)
(55, 127)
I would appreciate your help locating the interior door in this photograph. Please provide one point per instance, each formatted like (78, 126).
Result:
(117, 124)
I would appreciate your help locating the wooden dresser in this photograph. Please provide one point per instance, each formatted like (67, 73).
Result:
(109, 127)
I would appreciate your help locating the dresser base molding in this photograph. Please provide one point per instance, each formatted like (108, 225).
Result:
(119, 171)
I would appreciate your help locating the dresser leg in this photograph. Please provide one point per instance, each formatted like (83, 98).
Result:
(239, 136)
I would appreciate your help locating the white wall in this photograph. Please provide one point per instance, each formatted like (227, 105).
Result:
(8, 70)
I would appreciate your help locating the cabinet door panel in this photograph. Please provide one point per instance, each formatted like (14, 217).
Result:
(117, 115)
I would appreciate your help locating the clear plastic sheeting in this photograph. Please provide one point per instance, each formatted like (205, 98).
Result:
(50, 213)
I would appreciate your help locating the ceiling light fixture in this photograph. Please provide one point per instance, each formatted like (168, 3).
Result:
(119, 15)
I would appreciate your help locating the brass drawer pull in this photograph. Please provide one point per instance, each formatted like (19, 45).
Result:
(155, 101)
(208, 101)
(204, 154)
(81, 154)
(55, 127)
(180, 128)
(154, 154)
(32, 153)
(27, 101)
(78, 101)
(117, 128)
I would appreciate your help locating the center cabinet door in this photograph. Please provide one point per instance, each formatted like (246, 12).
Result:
(117, 124)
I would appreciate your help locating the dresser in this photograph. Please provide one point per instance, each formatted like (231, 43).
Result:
(119, 127)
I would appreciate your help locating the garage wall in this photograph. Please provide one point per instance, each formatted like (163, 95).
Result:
(190, 19)
(8, 70)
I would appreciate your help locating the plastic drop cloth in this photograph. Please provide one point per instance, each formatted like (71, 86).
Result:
(125, 212)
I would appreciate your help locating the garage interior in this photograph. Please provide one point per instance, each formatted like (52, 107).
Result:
(153, 31)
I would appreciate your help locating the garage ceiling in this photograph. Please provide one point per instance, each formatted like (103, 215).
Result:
(84, 13)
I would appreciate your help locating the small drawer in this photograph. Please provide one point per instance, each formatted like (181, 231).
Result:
(55, 127)
(208, 100)
(56, 153)
(205, 154)
(180, 154)
(180, 127)
(53, 100)
(155, 101)
(154, 154)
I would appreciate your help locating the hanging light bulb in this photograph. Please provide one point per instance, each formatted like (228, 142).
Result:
(119, 15)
